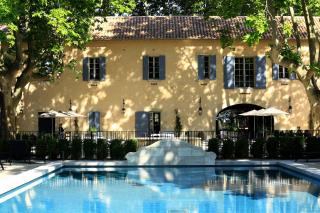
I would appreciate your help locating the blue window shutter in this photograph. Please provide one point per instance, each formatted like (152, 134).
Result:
(228, 68)
(162, 67)
(142, 123)
(200, 67)
(275, 71)
(97, 120)
(102, 66)
(261, 72)
(91, 119)
(85, 69)
(145, 68)
(213, 67)
(293, 76)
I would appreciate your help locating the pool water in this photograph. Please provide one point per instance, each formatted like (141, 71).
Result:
(169, 190)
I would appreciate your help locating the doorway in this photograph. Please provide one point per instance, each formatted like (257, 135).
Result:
(229, 124)
(46, 125)
(155, 122)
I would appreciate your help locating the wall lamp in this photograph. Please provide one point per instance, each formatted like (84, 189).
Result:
(123, 106)
(200, 107)
(70, 105)
(290, 106)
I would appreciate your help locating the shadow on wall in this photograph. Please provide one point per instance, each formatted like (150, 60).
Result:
(180, 90)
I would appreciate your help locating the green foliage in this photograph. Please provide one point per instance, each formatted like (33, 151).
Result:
(89, 148)
(225, 39)
(291, 146)
(214, 146)
(53, 25)
(41, 147)
(64, 149)
(290, 55)
(130, 146)
(297, 146)
(242, 148)
(227, 150)
(316, 68)
(117, 149)
(312, 144)
(257, 148)
(285, 146)
(258, 23)
(272, 146)
(52, 147)
(76, 146)
(102, 149)
(287, 29)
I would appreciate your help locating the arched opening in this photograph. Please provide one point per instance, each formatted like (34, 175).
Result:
(229, 124)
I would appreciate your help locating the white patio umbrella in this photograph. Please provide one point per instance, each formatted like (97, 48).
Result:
(72, 114)
(252, 113)
(271, 111)
(53, 114)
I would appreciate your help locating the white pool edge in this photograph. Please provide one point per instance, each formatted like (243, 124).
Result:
(14, 181)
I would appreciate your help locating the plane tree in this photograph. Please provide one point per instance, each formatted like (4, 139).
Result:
(33, 37)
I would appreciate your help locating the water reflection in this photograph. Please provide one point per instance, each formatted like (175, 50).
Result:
(195, 189)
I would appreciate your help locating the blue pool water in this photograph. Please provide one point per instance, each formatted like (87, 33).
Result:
(168, 190)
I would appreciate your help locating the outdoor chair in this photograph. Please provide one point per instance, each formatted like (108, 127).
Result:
(4, 156)
(1, 165)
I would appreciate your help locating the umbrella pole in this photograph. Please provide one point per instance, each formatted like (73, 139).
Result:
(254, 127)
(263, 126)
(51, 126)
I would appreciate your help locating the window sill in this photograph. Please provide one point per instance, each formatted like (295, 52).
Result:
(284, 81)
(248, 90)
(94, 83)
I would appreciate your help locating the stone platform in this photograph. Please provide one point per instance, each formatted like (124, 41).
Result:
(171, 152)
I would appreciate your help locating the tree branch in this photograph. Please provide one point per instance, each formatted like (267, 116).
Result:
(295, 29)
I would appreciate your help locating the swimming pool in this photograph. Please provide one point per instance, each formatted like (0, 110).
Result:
(167, 189)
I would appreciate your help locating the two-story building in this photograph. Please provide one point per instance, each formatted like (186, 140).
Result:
(138, 70)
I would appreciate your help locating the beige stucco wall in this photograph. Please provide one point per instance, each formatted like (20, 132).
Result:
(181, 89)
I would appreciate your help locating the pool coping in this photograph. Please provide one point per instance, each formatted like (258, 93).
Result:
(12, 182)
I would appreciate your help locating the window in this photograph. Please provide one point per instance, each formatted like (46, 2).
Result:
(283, 72)
(206, 67)
(94, 121)
(244, 72)
(154, 71)
(94, 69)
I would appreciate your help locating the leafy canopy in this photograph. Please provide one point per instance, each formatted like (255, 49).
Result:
(48, 26)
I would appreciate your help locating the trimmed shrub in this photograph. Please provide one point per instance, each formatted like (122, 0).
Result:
(52, 147)
(272, 146)
(4, 146)
(102, 149)
(312, 144)
(117, 149)
(257, 148)
(285, 146)
(242, 148)
(64, 149)
(76, 149)
(214, 146)
(130, 145)
(227, 150)
(41, 148)
(89, 149)
(296, 146)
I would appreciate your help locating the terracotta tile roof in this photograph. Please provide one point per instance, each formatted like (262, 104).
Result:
(179, 27)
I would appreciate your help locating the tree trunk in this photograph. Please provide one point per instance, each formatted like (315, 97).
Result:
(8, 123)
(314, 116)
